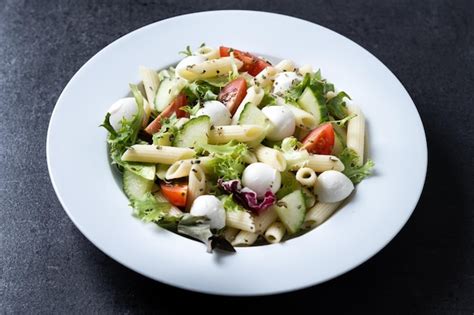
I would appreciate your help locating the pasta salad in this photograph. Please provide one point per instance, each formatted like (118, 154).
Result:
(230, 150)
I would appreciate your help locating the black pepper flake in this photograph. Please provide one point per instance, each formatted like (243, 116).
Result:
(212, 127)
(169, 91)
(197, 162)
(201, 189)
(264, 77)
(203, 71)
(194, 170)
(183, 194)
(217, 71)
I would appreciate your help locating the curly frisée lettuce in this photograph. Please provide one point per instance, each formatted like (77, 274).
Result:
(120, 140)
(227, 162)
(337, 106)
(355, 173)
(149, 209)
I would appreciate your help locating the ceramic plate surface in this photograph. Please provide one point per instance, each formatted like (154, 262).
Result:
(91, 193)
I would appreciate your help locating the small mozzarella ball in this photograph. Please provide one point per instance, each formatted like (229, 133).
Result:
(123, 108)
(217, 111)
(181, 68)
(282, 122)
(261, 177)
(333, 186)
(284, 81)
(212, 208)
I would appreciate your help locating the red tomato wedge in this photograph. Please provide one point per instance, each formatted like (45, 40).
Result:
(176, 193)
(320, 140)
(252, 64)
(175, 107)
(233, 93)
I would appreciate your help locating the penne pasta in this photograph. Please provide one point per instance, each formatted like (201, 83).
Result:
(319, 213)
(151, 83)
(306, 177)
(244, 238)
(156, 154)
(210, 68)
(275, 232)
(263, 221)
(241, 220)
(285, 65)
(230, 233)
(321, 163)
(303, 119)
(249, 158)
(272, 157)
(254, 95)
(207, 52)
(242, 133)
(356, 132)
(265, 77)
(196, 184)
(182, 168)
(303, 70)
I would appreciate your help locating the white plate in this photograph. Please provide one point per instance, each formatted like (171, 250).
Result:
(93, 199)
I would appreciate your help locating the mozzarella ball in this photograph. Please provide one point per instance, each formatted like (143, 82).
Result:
(261, 177)
(282, 122)
(124, 108)
(217, 111)
(212, 208)
(333, 186)
(181, 68)
(284, 81)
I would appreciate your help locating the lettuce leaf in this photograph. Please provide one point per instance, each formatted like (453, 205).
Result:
(294, 158)
(149, 209)
(247, 197)
(355, 173)
(337, 106)
(228, 159)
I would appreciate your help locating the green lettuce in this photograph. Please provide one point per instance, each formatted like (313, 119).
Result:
(356, 173)
(227, 162)
(149, 209)
(337, 106)
(288, 184)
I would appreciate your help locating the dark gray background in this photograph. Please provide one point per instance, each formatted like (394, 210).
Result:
(47, 266)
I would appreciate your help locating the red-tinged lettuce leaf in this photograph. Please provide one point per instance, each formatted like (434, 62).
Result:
(247, 197)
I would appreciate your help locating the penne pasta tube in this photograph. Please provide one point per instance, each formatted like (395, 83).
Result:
(321, 163)
(244, 238)
(263, 221)
(230, 233)
(196, 184)
(306, 176)
(182, 168)
(151, 83)
(249, 158)
(156, 154)
(242, 133)
(275, 232)
(303, 119)
(254, 95)
(319, 213)
(272, 157)
(305, 69)
(207, 52)
(356, 132)
(210, 68)
(265, 77)
(285, 65)
(241, 220)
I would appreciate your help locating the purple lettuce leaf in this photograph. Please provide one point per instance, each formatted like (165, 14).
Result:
(246, 196)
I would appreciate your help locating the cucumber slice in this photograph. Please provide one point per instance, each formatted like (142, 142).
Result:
(167, 92)
(313, 103)
(252, 115)
(146, 171)
(291, 210)
(135, 186)
(193, 132)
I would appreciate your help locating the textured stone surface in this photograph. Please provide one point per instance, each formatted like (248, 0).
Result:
(47, 266)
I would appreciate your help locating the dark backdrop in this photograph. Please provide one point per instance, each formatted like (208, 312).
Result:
(47, 266)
